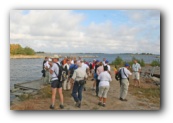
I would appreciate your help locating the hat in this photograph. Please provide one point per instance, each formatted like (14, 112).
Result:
(127, 65)
(97, 61)
(94, 59)
(106, 61)
(49, 59)
(55, 56)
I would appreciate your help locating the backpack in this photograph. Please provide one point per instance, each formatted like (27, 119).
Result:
(60, 77)
(72, 70)
(118, 75)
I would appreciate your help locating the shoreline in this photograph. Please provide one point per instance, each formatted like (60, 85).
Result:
(25, 56)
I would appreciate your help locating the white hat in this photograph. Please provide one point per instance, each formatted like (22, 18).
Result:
(55, 56)
(49, 59)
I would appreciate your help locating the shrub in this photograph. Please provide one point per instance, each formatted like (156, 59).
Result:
(118, 61)
(155, 63)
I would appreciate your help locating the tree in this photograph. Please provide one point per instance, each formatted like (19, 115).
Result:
(16, 49)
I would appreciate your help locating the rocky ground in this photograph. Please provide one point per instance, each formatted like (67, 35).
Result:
(145, 98)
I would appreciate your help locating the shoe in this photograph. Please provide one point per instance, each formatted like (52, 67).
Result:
(104, 105)
(78, 104)
(61, 106)
(120, 98)
(100, 104)
(84, 89)
(123, 99)
(52, 107)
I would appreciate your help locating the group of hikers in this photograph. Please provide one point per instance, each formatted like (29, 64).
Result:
(72, 74)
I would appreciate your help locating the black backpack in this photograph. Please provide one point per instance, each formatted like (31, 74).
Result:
(118, 75)
(60, 78)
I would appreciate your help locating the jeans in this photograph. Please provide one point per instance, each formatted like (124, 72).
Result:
(77, 88)
(97, 86)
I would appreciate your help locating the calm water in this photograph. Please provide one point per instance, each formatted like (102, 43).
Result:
(24, 70)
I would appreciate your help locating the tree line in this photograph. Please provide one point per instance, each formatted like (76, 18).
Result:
(17, 49)
(119, 62)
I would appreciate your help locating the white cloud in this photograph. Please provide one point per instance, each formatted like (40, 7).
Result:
(62, 31)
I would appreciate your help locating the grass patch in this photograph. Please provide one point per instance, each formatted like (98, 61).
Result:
(45, 92)
(152, 94)
(25, 97)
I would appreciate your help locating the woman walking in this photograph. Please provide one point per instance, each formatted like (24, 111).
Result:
(104, 85)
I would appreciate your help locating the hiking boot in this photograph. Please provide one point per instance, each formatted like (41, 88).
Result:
(104, 105)
(100, 104)
(120, 98)
(78, 104)
(61, 106)
(51, 107)
(123, 99)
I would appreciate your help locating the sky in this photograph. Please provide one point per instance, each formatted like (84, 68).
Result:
(87, 31)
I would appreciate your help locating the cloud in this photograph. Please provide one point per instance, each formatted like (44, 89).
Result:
(62, 31)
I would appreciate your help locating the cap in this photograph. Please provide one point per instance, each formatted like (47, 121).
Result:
(97, 61)
(127, 64)
(106, 61)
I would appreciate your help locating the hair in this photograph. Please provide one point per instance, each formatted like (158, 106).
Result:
(105, 68)
(100, 64)
(75, 61)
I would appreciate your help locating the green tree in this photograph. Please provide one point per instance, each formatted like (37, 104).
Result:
(118, 61)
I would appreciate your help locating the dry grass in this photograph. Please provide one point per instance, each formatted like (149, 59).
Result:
(152, 94)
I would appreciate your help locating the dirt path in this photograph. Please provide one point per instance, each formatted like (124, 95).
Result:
(90, 101)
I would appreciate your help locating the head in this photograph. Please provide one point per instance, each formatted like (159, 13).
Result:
(135, 61)
(79, 64)
(100, 64)
(68, 61)
(107, 62)
(46, 58)
(104, 59)
(97, 62)
(75, 61)
(127, 65)
(82, 61)
(55, 58)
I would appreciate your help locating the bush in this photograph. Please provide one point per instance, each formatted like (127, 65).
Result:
(118, 61)
(155, 63)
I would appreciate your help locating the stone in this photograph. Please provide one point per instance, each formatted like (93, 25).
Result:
(27, 91)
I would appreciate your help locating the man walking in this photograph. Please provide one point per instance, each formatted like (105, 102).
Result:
(79, 76)
(55, 83)
(124, 82)
(136, 70)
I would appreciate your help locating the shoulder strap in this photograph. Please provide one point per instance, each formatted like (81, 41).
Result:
(124, 73)
(55, 72)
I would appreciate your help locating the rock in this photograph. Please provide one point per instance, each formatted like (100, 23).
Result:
(34, 93)
(155, 79)
(17, 94)
(14, 90)
(139, 92)
(27, 91)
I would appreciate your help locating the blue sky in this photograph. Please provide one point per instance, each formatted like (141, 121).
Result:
(93, 31)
